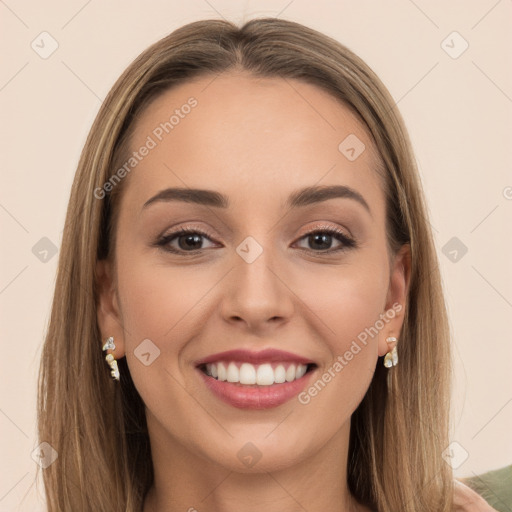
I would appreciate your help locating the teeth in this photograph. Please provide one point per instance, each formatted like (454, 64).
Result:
(265, 375)
(290, 373)
(247, 374)
(279, 374)
(262, 375)
(301, 370)
(233, 375)
(221, 371)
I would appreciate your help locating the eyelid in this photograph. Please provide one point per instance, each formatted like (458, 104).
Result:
(327, 227)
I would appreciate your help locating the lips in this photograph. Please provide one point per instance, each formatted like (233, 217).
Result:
(268, 355)
(255, 380)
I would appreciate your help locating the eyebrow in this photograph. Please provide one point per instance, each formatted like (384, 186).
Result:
(297, 199)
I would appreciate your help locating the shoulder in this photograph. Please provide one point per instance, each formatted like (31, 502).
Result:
(483, 492)
(466, 499)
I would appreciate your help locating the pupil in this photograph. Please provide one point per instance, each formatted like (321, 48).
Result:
(322, 237)
(193, 239)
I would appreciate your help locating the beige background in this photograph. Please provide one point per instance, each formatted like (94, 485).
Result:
(458, 112)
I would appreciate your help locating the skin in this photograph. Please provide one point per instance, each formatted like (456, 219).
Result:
(257, 141)
(467, 500)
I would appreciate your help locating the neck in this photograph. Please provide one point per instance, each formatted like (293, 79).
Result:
(184, 481)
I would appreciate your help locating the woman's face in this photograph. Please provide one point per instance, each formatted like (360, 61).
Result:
(258, 271)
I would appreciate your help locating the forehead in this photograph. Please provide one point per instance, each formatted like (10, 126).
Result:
(246, 135)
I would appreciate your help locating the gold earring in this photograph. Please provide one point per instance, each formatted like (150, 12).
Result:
(110, 345)
(391, 358)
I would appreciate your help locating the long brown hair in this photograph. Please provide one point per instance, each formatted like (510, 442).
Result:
(98, 427)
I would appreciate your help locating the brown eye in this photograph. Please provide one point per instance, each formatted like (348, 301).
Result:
(188, 240)
(320, 240)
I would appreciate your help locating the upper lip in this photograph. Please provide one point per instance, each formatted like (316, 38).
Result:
(269, 355)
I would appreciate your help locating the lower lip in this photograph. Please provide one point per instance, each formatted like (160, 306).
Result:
(255, 397)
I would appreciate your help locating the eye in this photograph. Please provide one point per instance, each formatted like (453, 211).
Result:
(322, 237)
(188, 240)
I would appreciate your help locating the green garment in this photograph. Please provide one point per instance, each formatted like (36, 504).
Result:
(495, 487)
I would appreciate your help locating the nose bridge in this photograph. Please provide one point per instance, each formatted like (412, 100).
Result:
(258, 293)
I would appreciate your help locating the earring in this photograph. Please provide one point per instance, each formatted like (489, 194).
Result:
(110, 345)
(391, 358)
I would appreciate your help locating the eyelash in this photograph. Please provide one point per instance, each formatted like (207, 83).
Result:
(348, 243)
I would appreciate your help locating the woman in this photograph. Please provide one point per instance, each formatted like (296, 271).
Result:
(247, 242)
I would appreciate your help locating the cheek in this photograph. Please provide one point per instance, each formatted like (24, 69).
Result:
(157, 304)
(348, 300)
(348, 305)
(156, 299)
(351, 310)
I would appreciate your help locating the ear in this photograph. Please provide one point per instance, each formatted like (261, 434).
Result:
(108, 312)
(396, 299)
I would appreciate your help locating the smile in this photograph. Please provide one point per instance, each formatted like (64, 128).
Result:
(255, 380)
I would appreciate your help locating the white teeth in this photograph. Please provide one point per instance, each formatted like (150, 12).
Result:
(280, 374)
(301, 370)
(233, 375)
(262, 375)
(221, 371)
(265, 375)
(247, 374)
(290, 373)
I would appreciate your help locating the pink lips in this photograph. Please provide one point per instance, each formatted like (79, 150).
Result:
(268, 355)
(254, 396)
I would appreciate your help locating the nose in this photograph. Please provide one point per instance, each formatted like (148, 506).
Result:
(258, 296)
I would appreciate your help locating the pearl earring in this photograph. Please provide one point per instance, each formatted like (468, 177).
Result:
(110, 345)
(391, 358)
